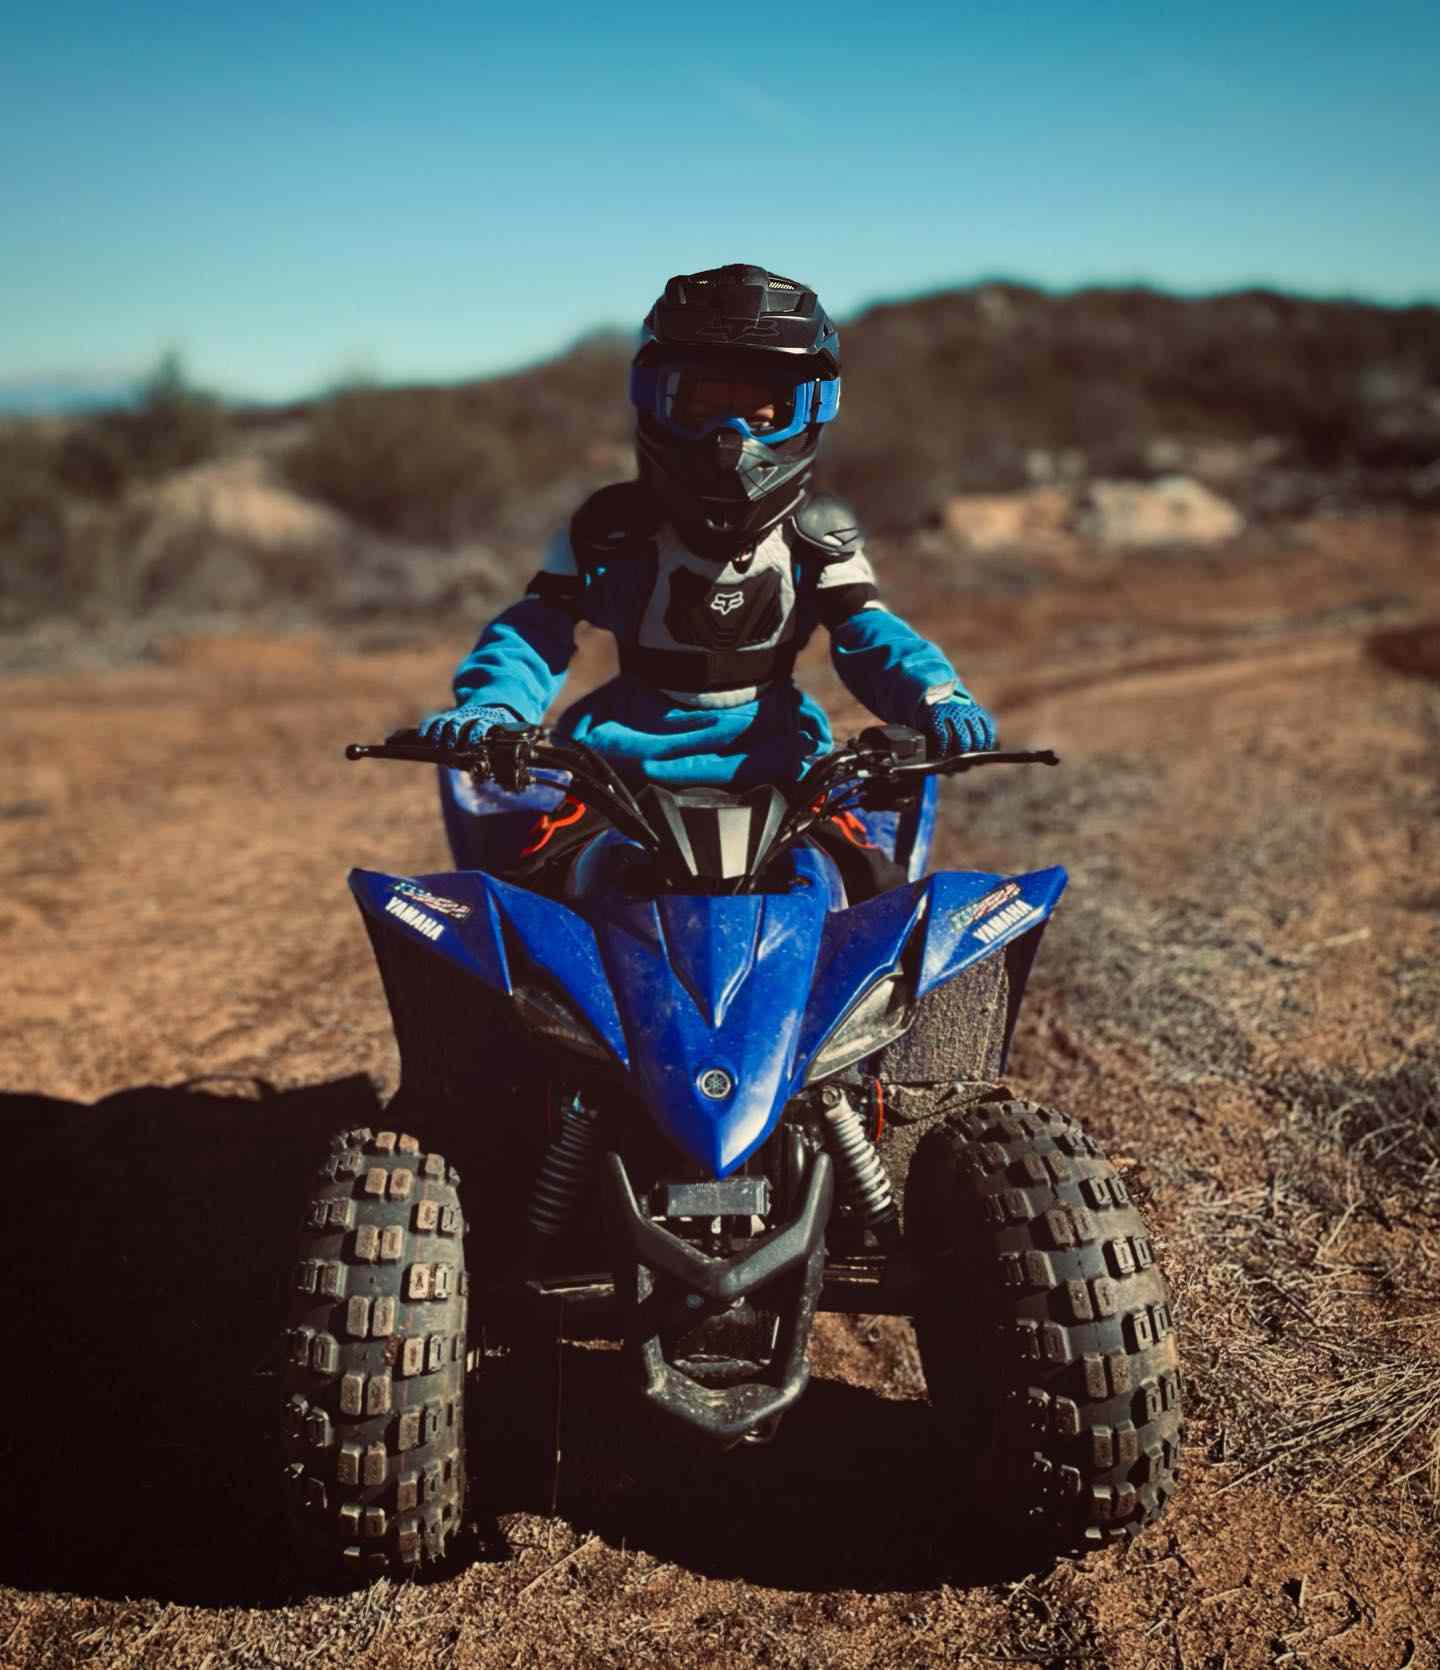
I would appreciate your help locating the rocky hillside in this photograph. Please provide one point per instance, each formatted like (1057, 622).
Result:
(1116, 416)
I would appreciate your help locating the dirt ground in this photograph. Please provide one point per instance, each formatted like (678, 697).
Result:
(1240, 996)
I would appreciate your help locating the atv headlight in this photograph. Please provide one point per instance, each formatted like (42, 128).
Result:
(875, 1019)
(549, 1015)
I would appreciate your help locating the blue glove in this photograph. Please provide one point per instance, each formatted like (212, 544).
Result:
(460, 727)
(957, 725)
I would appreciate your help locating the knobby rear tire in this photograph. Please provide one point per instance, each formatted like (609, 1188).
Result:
(376, 1361)
(1046, 1333)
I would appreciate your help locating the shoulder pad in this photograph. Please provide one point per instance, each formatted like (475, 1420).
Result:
(829, 526)
(614, 522)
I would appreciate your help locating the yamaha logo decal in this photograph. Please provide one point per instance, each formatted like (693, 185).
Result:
(716, 1083)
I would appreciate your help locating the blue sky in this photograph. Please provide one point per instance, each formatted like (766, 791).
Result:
(295, 193)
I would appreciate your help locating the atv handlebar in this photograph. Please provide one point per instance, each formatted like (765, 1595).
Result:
(509, 753)
(882, 754)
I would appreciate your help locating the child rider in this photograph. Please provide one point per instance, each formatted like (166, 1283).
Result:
(714, 567)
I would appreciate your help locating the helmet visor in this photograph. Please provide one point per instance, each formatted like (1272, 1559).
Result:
(691, 401)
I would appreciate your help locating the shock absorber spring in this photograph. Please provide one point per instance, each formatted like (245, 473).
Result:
(861, 1175)
(565, 1170)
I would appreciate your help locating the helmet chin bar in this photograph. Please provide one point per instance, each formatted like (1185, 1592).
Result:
(721, 507)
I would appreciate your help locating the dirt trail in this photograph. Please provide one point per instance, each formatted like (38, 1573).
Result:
(1248, 811)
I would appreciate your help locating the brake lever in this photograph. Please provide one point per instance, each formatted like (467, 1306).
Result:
(389, 751)
(426, 753)
(953, 764)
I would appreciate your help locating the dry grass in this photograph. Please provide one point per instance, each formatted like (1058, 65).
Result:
(1387, 1127)
(1307, 1297)
(1350, 1380)
(1187, 960)
(1376, 1412)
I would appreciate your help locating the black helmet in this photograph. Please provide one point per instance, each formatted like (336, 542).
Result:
(737, 374)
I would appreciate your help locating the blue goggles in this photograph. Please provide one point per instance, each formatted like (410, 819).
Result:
(693, 401)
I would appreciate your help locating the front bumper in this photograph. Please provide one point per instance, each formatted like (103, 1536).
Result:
(657, 1274)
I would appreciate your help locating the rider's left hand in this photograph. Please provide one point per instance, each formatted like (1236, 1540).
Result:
(957, 726)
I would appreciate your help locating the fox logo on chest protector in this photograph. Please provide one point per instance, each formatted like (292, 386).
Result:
(729, 617)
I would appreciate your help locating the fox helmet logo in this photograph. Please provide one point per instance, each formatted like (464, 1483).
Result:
(724, 602)
(736, 330)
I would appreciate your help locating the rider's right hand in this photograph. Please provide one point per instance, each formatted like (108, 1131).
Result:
(463, 726)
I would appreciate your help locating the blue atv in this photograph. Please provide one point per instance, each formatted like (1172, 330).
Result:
(711, 1090)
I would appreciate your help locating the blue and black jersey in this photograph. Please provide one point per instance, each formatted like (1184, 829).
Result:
(707, 649)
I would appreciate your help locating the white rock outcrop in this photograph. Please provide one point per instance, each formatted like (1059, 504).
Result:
(991, 521)
(1175, 510)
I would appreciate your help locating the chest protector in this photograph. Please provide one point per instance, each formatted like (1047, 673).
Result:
(707, 627)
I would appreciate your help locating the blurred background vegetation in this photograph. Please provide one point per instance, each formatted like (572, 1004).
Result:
(418, 501)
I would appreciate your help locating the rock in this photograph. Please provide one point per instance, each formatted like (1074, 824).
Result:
(990, 521)
(1175, 510)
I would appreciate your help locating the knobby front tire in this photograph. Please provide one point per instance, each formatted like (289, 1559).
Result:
(1046, 1333)
(376, 1361)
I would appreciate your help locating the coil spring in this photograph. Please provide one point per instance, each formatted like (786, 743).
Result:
(565, 1171)
(861, 1172)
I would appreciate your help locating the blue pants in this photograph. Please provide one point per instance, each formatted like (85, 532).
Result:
(648, 738)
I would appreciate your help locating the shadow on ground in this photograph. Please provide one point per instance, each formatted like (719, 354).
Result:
(147, 1242)
(854, 1493)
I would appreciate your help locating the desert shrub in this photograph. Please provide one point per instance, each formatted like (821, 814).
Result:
(406, 462)
(94, 461)
(32, 524)
(446, 465)
(171, 426)
(62, 483)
